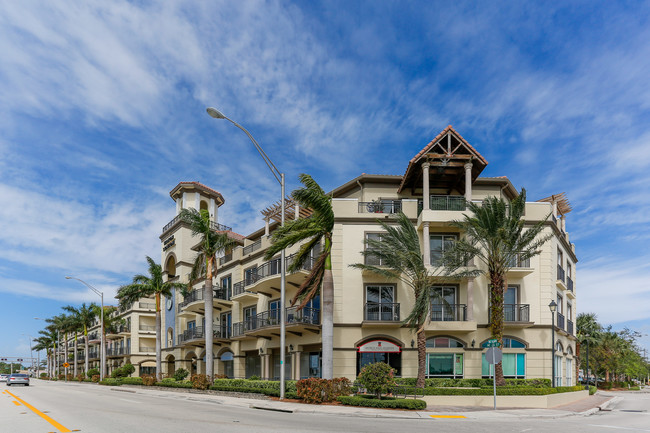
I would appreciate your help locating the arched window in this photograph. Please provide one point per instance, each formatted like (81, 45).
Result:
(558, 347)
(510, 343)
(203, 205)
(171, 267)
(443, 342)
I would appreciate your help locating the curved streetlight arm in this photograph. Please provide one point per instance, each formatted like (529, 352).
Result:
(97, 292)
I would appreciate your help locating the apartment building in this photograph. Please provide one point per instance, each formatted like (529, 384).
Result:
(368, 310)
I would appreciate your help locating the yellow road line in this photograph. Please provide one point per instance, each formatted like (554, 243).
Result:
(16, 403)
(446, 416)
(56, 425)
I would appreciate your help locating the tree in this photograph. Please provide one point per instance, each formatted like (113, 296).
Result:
(111, 322)
(84, 316)
(205, 266)
(311, 230)
(73, 327)
(59, 325)
(46, 341)
(144, 286)
(496, 235)
(399, 252)
(588, 331)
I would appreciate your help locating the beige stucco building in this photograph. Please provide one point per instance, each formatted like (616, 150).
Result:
(368, 310)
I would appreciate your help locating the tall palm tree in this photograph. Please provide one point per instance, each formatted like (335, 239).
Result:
(85, 316)
(143, 287)
(59, 324)
(588, 331)
(319, 225)
(399, 252)
(72, 327)
(205, 266)
(111, 323)
(496, 235)
(47, 342)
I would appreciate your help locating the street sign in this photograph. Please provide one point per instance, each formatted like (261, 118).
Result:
(493, 355)
(66, 365)
(492, 343)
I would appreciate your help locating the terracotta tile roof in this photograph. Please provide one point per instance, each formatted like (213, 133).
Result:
(200, 186)
(235, 235)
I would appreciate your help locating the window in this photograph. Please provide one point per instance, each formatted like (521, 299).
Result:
(513, 311)
(228, 369)
(191, 324)
(569, 311)
(250, 314)
(514, 366)
(226, 325)
(438, 244)
(569, 372)
(274, 312)
(443, 342)
(560, 303)
(445, 365)
(372, 259)
(250, 276)
(380, 303)
(443, 304)
(510, 343)
(558, 370)
(226, 285)
(253, 366)
(275, 360)
(392, 359)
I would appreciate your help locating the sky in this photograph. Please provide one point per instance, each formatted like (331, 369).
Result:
(103, 113)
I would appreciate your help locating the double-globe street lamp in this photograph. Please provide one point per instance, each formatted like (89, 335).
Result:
(553, 307)
(279, 176)
(103, 343)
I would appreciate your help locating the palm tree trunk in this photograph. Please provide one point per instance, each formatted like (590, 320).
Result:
(327, 317)
(75, 354)
(158, 339)
(422, 357)
(496, 318)
(65, 353)
(86, 352)
(207, 327)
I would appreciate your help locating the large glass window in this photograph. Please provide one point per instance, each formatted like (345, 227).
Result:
(226, 285)
(392, 359)
(310, 365)
(253, 366)
(227, 358)
(380, 303)
(443, 304)
(514, 366)
(558, 370)
(250, 276)
(438, 244)
(226, 325)
(445, 365)
(372, 259)
(276, 366)
(569, 372)
(250, 321)
(274, 311)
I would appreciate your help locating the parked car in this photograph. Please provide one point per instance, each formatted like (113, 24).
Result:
(18, 378)
(3, 377)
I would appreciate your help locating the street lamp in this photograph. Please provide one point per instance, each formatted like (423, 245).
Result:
(31, 354)
(103, 343)
(279, 176)
(587, 372)
(553, 307)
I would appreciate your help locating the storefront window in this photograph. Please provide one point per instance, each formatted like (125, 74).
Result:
(253, 366)
(445, 365)
(380, 351)
(514, 366)
(310, 365)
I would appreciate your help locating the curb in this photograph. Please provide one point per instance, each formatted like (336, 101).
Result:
(272, 409)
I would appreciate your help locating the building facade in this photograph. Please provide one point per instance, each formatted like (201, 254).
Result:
(368, 309)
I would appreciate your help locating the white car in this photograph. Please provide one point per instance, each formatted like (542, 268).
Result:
(3, 377)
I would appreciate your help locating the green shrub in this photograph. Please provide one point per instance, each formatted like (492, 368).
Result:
(171, 383)
(129, 369)
(109, 381)
(377, 378)
(385, 403)
(290, 385)
(131, 380)
(201, 381)
(502, 390)
(43, 375)
(148, 379)
(316, 390)
(181, 374)
(92, 372)
(254, 378)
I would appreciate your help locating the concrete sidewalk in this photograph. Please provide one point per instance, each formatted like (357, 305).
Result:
(584, 407)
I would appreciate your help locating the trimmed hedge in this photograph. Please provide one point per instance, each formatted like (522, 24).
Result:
(501, 390)
(257, 384)
(250, 390)
(384, 403)
(171, 383)
(111, 381)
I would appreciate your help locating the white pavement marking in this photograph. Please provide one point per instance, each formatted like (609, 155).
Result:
(131, 401)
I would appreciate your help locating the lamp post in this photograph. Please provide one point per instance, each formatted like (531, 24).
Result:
(587, 372)
(31, 353)
(103, 342)
(279, 176)
(553, 307)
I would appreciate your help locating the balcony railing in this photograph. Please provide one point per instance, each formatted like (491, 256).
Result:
(93, 354)
(444, 202)
(225, 259)
(384, 312)
(222, 293)
(569, 283)
(267, 269)
(569, 327)
(213, 225)
(560, 273)
(197, 333)
(252, 247)
(193, 296)
(448, 312)
(383, 206)
(148, 328)
(147, 305)
(118, 351)
(124, 328)
(560, 320)
(147, 349)
(516, 312)
(238, 288)
(307, 316)
(517, 262)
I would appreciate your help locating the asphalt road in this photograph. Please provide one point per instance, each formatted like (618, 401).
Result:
(59, 407)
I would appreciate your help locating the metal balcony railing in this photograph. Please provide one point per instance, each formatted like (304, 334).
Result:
(219, 227)
(381, 206)
(213, 225)
(93, 354)
(307, 316)
(381, 312)
(124, 328)
(118, 351)
(271, 318)
(517, 262)
(569, 327)
(225, 259)
(147, 305)
(148, 328)
(193, 296)
(560, 320)
(222, 293)
(560, 273)
(448, 312)
(252, 247)
(267, 269)
(516, 312)
(197, 333)
(444, 202)
(569, 283)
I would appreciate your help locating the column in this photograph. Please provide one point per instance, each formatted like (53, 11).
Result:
(184, 200)
(426, 244)
(197, 201)
(266, 366)
(563, 223)
(179, 205)
(296, 210)
(470, 299)
(266, 227)
(468, 181)
(296, 365)
(426, 201)
(213, 210)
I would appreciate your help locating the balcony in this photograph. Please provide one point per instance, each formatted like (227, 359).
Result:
(196, 336)
(381, 206)
(117, 351)
(149, 306)
(569, 284)
(213, 225)
(222, 296)
(192, 302)
(516, 315)
(569, 327)
(240, 293)
(561, 281)
(93, 354)
(252, 247)
(147, 328)
(560, 321)
(225, 259)
(449, 317)
(381, 314)
(267, 323)
(518, 267)
(265, 278)
(444, 202)
(147, 349)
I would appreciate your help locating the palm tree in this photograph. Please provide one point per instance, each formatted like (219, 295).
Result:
(84, 317)
(111, 322)
(72, 326)
(588, 331)
(143, 287)
(319, 225)
(398, 250)
(205, 266)
(47, 342)
(495, 234)
(58, 324)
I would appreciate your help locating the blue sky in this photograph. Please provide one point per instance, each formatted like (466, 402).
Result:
(103, 113)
